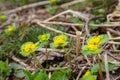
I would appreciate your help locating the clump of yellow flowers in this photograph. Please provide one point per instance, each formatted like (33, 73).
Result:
(59, 41)
(93, 45)
(28, 48)
(10, 30)
(88, 76)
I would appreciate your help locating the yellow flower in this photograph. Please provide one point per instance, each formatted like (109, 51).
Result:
(94, 40)
(52, 1)
(87, 73)
(91, 49)
(44, 37)
(88, 76)
(60, 40)
(27, 48)
(3, 18)
(10, 29)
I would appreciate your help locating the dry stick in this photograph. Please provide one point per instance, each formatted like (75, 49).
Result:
(100, 67)
(71, 3)
(26, 7)
(87, 29)
(113, 31)
(81, 25)
(116, 38)
(80, 73)
(38, 61)
(111, 42)
(78, 46)
(19, 61)
(56, 15)
(111, 55)
(88, 60)
(62, 23)
(52, 29)
(111, 37)
(106, 66)
(49, 49)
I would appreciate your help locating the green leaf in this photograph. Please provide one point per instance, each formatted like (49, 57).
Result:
(104, 39)
(19, 74)
(59, 75)
(111, 66)
(28, 75)
(93, 27)
(42, 76)
(36, 73)
(76, 20)
(14, 65)
(90, 77)
(95, 68)
(4, 66)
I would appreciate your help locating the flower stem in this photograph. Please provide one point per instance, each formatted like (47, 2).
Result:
(100, 67)
(67, 56)
(38, 62)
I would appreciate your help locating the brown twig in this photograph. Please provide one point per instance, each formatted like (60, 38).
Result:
(71, 3)
(78, 44)
(113, 31)
(106, 66)
(33, 5)
(80, 73)
(52, 29)
(112, 42)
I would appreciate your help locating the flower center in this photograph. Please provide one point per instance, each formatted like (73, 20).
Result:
(92, 47)
(10, 29)
(29, 48)
(60, 40)
(43, 37)
(94, 41)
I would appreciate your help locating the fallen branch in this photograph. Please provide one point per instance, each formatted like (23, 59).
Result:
(33, 5)
(52, 29)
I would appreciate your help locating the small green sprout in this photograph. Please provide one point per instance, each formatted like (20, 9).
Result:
(3, 18)
(10, 30)
(59, 41)
(27, 48)
(88, 76)
(44, 40)
(93, 47)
